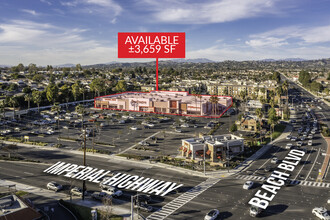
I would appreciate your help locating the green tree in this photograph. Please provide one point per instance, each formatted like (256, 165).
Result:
(304, 77)
(28, 98)
(97, 85)
(121, 86)
(76, 91)
(78, 67)
(233, 128)
(32, 68)
(3, 107)
(214, 101)
(13, 102)
(20, 67)
(259, 113)
(38, 78)
(37, 98)
(57, 109)
(272, 118)
(52, 93)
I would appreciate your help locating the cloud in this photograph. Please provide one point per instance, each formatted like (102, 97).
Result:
(208, 11)
(44, 43)
(295, 34)
(241, 53)
(46, 2)
(31, 12)
(95, 6)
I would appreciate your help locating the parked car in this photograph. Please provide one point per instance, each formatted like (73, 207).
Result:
(76, 191)
(300, 143)
(310, 143)
(211, 215)
(144, 143)
(178, 130)
(321, 213)
(134, 128)
(248, 185)
(113, 191)
(54, 186)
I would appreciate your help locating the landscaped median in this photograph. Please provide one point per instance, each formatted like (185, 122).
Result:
(83, 212)
(21, 140)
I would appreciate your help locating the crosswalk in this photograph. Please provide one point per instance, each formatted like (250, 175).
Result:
(293, 182)
(183, 199)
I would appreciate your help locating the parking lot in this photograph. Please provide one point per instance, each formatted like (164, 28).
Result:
(111, 131)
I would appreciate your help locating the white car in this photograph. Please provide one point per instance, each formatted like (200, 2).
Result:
(288, 146)
(185, 125)
(76, 191)
(211, 215)
(274, 160)
(247, 185)
(288, 137)
(321, 213)
(310, 143)
(178, 130)
(54, 186)
(112, 191)
(134, 128)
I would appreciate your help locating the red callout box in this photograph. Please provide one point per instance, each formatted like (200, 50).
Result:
(152, 45)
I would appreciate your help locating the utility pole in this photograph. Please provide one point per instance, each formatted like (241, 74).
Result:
(204, 159)
(93, 140)
(84, 163)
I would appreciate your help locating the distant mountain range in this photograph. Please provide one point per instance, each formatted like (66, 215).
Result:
(66, 65)
(197, 60)
(286, 59)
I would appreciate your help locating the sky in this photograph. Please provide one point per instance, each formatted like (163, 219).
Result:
(53, 32)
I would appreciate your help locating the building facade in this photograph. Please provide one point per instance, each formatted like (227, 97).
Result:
(166, 102)
(218, 148)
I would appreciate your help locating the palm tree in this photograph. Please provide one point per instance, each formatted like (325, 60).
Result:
(57, 108)
(37, 98)
(80, 109)
(214, 100)
(285, 87)
(13, 102)
(259, 113)
(28, 98)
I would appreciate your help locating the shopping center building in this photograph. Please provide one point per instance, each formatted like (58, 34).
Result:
(166, 102)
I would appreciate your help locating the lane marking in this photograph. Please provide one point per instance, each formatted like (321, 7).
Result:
(313, 164)
(303, 164)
